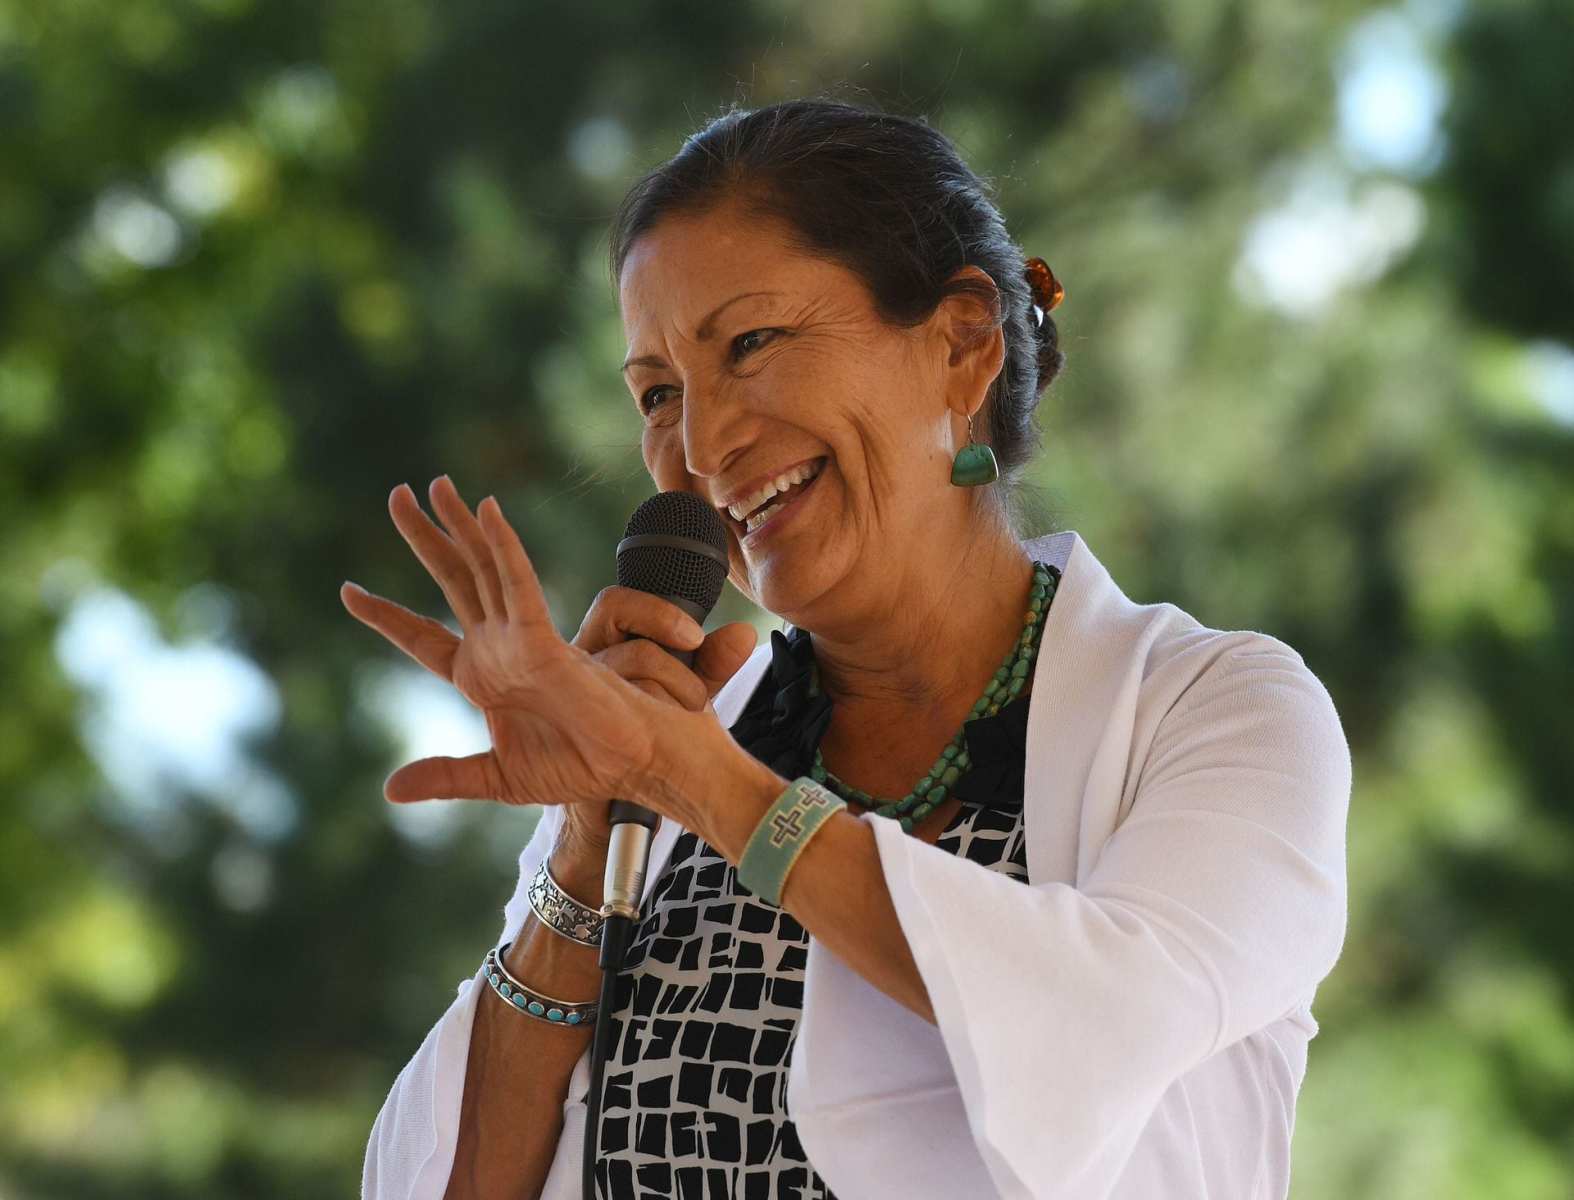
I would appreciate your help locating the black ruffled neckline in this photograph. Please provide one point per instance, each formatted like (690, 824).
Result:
(788, 714)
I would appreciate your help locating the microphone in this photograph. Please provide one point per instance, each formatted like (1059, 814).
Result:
(675, 547)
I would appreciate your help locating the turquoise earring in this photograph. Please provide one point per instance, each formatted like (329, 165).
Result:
(974, 464)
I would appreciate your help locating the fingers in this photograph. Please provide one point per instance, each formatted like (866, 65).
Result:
(725, 650)
(653, 689)
(620, 620)
(523, 599)
(471, 541)
(473, 778)
(429, 642)
(619, 613)
(443, 560)
(642, 663)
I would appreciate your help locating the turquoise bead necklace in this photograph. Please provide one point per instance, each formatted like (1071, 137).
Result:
(1004, 686)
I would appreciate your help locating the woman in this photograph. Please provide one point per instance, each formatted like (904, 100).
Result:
(1075, 959)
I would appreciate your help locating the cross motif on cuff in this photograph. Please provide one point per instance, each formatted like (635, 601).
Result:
(788, 825)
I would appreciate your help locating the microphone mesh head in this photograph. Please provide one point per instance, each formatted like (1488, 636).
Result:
(672, 570)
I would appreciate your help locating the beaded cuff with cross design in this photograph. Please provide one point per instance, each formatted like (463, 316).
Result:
(783, 832)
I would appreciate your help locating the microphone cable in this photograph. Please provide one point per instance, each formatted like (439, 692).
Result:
(616, 933)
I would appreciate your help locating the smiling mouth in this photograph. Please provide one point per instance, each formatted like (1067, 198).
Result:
(768, 508)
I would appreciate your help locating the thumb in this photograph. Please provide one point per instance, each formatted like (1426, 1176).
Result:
(722, 652)
(475, 777)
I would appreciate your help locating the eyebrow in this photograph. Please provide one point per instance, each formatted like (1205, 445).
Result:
(703, 333)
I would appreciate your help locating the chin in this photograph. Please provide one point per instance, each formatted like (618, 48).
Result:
(787, 585)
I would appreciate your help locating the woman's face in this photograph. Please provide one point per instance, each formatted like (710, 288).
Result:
(749, 361)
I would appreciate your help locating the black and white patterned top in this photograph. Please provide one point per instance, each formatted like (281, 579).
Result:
(694, 1103)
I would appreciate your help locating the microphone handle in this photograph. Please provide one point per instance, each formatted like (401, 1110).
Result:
(633, 827)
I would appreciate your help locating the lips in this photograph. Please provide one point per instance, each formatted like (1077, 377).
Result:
(746, 503)
(769, 517)
(778, 491)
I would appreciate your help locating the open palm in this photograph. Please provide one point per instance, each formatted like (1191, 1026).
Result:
(564, 727)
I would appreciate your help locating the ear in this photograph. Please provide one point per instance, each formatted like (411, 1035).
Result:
(971, 337)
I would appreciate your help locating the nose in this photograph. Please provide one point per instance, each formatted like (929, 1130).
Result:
(713, 432)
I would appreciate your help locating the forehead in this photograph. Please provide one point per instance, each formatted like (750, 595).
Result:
(684, 266)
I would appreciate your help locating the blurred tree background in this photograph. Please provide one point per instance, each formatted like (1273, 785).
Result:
(261, 261)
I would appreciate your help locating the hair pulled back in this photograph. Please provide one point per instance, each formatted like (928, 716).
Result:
(887, 197)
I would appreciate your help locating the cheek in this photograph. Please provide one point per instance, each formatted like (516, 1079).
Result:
(852, 390)
(662, 451)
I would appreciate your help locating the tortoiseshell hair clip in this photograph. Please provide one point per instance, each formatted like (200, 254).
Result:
(1047, 290)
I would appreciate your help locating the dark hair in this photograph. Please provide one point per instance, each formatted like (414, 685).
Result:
(889, 198)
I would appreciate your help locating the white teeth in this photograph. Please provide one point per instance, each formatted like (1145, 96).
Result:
(741, 510)
(760, 518)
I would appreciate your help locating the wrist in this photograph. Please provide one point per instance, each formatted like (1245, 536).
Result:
(578, 871)
(552, 963)
(709, 784)
(750, 790)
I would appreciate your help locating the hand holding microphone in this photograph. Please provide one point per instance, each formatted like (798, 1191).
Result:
(640, 636)
(571, 724)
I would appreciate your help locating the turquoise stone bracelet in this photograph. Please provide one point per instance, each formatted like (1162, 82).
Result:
(1004, 686)
(529, 1001)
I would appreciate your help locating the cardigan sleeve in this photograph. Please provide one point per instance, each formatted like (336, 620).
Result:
(1063, 1013)
(411, 1150)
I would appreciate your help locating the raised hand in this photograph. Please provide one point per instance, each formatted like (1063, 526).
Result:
(565, 728)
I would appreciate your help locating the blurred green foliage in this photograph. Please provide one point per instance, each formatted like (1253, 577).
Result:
(261, 261)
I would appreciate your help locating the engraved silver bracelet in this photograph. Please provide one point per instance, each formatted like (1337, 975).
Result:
(561, 913)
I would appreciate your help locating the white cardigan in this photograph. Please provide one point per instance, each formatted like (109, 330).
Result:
(1131, 1024)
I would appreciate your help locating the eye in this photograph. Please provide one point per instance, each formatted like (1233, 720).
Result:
(746, 343)
(652, 399)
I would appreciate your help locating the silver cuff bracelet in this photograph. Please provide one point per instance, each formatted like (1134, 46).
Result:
(561, 913)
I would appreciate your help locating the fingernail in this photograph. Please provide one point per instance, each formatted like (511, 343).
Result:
(354, 587)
